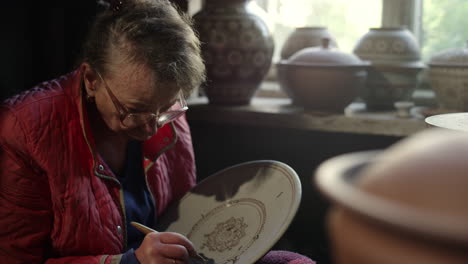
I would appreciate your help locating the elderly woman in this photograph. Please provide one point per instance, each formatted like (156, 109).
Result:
(84, 155)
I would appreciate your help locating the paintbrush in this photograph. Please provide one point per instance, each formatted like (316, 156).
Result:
(144, 229)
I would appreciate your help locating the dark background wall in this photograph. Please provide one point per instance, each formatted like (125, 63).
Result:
(39, 43)
(41, 40)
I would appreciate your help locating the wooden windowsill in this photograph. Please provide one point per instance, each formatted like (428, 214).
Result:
(279, 112)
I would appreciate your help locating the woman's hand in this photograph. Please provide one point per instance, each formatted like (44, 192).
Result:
(164, 248)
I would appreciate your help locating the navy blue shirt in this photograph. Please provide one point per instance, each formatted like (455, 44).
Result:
(139, 205)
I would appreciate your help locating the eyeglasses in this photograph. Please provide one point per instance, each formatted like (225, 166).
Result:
(132, 120)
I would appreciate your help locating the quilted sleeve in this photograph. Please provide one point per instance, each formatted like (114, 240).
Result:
(25, 206)
(25, 202)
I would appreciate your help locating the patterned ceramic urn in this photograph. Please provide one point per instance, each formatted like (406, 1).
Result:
(237, 47)
(395, 59)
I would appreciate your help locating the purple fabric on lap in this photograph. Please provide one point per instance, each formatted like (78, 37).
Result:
(284, 257)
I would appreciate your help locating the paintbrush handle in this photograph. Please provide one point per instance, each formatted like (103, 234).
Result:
(144, 229)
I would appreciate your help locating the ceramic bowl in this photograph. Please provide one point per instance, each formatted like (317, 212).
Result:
(448, 73)
(322, 78)
(403, 205)
(305, 37)
(394, 46)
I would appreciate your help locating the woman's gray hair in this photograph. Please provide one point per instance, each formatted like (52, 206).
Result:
(152, 32)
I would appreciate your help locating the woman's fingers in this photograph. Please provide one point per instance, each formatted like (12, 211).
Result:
(163, 247)
(174, 251)
(176, 238)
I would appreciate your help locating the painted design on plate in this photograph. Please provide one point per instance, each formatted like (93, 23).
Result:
(226, 235)
(230, 235)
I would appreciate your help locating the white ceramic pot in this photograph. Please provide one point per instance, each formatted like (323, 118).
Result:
(448, 73)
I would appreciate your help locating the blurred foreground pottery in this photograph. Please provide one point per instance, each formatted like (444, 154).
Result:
(237, 47)
(406, 204)
(322, 78)
(305, 37)
(395, 59)
(448, 72)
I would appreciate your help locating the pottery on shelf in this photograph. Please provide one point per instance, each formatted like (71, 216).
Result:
(396, 62)
(305, 37)
(322, 78)
(448, 73)
(237, 47)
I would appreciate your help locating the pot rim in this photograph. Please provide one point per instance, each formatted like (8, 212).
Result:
(416, 65)
(388, 28)
(334, 180)
(445, 65)
(311, 27)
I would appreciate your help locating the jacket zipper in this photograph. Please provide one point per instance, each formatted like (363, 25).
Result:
(152, 196)
(124, 215)
(170, 145)
(122, 203)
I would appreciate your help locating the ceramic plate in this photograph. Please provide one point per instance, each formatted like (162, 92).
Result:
(453, 121)
(237, 214)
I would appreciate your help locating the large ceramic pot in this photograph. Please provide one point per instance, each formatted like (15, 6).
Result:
(396, 63)
(237, 48)
(322, 78)
(448, 72)
(305, 37)
(406, 205)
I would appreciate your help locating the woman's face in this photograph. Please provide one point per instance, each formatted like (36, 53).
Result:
(135, 87)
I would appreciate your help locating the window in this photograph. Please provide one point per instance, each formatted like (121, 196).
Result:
(437, 24)
(346, 20)
(444, 25)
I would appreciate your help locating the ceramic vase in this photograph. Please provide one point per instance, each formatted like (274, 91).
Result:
(305, 37)
(237, 47)
(395, 59)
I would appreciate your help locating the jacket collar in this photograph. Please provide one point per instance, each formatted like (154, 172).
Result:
(163, 140)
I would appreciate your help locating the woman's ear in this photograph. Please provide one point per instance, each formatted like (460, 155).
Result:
(90, 79)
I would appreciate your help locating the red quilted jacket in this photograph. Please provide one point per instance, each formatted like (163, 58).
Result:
(59, 201)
